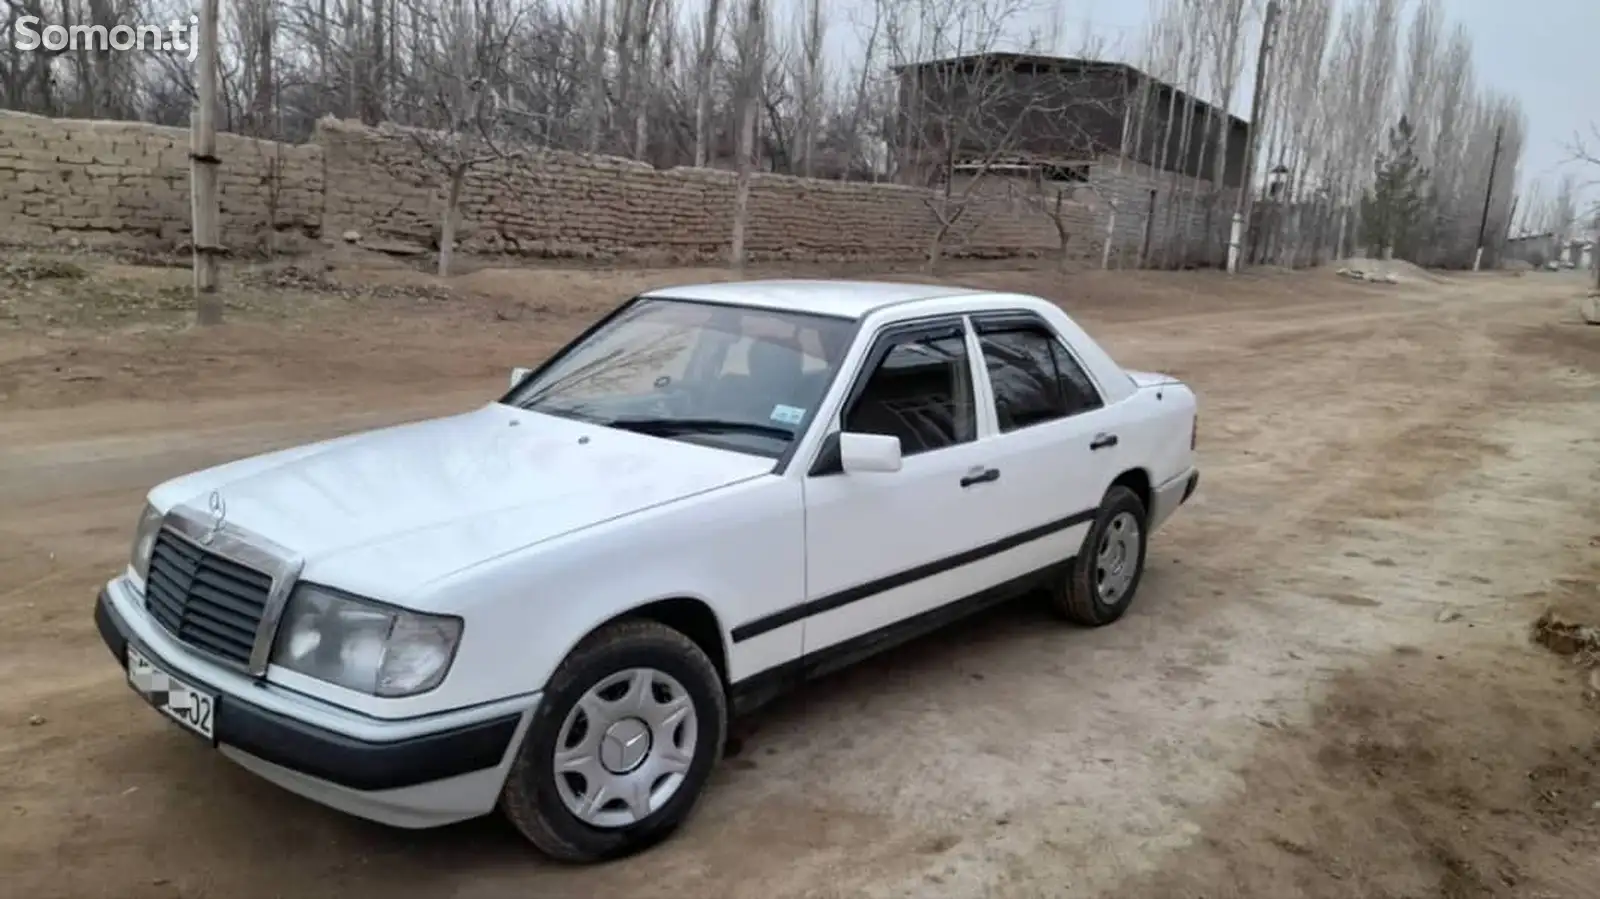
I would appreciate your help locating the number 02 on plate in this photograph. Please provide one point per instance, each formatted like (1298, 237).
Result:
(194, 709)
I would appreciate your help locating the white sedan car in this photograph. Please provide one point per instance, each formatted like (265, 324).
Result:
(553, 603)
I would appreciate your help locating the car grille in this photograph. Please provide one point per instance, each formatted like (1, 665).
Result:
(207, 601)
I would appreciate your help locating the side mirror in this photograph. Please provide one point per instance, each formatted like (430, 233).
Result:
(517, 374)
(869, 452)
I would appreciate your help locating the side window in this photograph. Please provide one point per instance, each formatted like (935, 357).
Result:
(921, 392)
(1082, 395)
(1034, 378)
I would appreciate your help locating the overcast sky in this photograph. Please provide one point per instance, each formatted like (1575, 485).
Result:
(1544, 52)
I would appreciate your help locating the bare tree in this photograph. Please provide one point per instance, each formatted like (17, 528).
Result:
(963, 103)
(1563, 210)
(597, 76)
(704, 63)
(1176, 51)
(1056, 198)
(751, 68)
(1587, 153)
(1053, 158)
(1226, 23)
(1296, 123)
(467, 121)
(644, 29)
(1424, 50)
(864, 98)
(1163, 51)
(1533, 206)
(809, 80)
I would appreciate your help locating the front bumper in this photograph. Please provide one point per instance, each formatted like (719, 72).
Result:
(415, 777)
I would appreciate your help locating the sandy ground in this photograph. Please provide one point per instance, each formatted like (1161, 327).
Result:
(1325, 689)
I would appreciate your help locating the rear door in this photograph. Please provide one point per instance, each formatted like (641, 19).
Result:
(1055, 444)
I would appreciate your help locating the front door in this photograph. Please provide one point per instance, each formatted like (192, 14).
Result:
(885, 547)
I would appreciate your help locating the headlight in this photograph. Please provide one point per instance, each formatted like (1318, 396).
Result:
(144, 540)
(363, 645)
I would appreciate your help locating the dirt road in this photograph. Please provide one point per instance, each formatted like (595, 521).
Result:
(1325, 688)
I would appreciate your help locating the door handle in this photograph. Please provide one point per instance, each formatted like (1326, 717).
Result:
(980, 476)
(1103, 440)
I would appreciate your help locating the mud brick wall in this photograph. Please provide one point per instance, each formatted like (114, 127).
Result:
(568, 205)
(1177, 230)
(128, 183)
(1081, 211)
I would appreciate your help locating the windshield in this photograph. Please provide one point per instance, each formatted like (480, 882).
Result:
(734, 377)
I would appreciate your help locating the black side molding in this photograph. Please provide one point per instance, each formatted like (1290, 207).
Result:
(334, 757)
(761, 688)
(783, 617)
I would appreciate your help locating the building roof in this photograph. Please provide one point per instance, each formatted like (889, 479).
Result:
(841, 299)
(1066, 63)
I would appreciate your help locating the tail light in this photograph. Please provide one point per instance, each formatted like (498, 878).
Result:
(1194, 431)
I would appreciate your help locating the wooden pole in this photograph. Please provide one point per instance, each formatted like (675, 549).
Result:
(204, 228)
(1122, 157)
(1488, 195)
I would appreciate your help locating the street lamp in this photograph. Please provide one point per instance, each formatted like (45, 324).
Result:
(1277, 179)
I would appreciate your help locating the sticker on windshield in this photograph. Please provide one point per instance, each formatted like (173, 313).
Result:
(788, 415)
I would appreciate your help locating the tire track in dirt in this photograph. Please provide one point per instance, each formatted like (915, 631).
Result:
(1348, 466)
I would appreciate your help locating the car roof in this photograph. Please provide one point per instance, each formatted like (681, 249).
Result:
(841, 299)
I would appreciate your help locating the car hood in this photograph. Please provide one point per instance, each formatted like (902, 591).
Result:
(383, 513)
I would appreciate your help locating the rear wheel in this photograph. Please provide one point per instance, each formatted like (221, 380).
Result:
(1101, 582)
(622, 743)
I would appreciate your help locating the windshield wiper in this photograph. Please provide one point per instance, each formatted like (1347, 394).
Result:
(662, 427)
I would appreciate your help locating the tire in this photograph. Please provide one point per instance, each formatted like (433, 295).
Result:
(1078, 596)
(545, 806)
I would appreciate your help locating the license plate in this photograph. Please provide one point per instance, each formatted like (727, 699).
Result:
(192, 708)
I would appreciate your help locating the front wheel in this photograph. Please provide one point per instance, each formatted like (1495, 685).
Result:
(621, 745)
(1102, 580)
